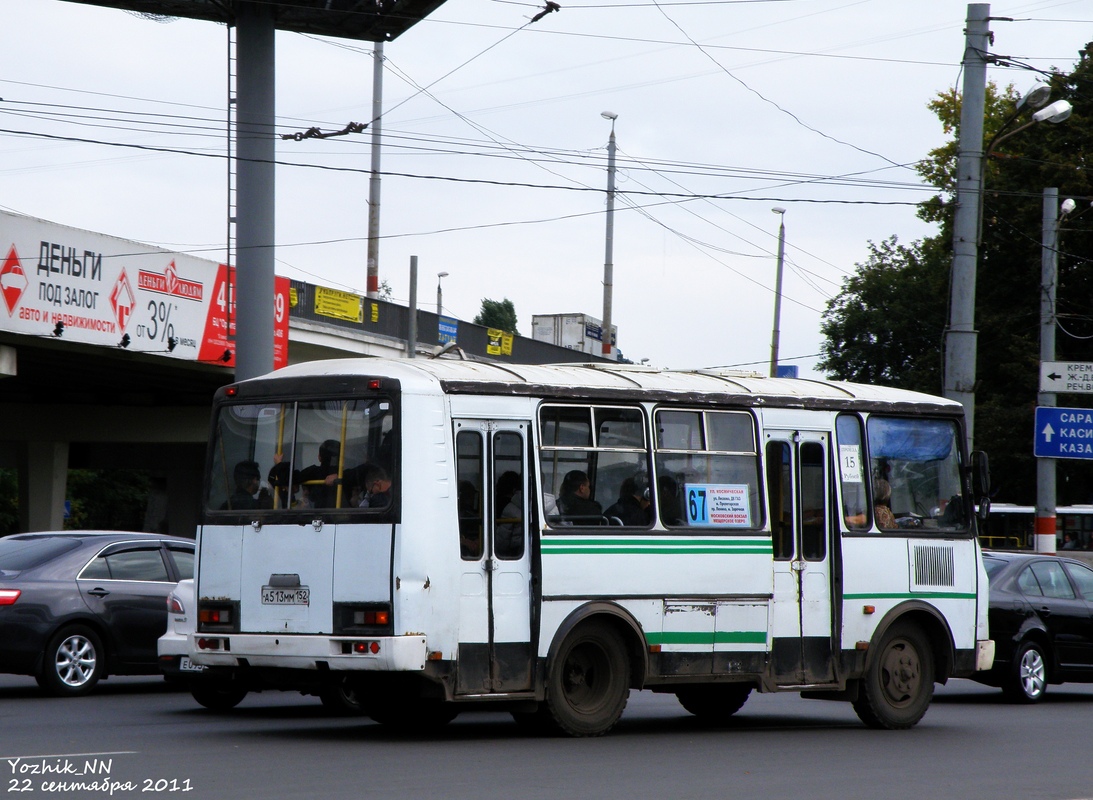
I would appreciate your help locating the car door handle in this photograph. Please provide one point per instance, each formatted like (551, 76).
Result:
(98, 592)
(1045, 611)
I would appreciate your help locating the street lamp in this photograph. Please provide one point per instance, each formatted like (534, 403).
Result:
(781, 212)
(608, 266)
(440, 293)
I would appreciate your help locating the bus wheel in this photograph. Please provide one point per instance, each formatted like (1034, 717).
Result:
(218, 696)
(412, 716)
(341, 699)
(588, 684)
(1027, 679)
(899, 682)
(714, 703)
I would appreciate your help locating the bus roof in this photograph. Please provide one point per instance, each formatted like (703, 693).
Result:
(619, 381)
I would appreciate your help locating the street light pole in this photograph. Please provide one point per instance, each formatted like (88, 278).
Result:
(960, 335)
(608, 266)
(440, 293)
(781, 212)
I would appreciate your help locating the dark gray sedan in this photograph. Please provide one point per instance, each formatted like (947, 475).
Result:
(1041, 620)
(77, 606)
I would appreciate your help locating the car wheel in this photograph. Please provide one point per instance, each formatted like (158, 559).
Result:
(899, 682)
(219, 696)
(73, 663)
(1027, 680)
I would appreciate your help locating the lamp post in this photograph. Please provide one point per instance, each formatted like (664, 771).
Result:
(608, 266)
(440, 293)
(781, 212)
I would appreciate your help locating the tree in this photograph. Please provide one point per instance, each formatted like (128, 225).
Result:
(499, 314)
(887, 322)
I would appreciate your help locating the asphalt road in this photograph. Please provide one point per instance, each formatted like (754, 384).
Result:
(158, 742)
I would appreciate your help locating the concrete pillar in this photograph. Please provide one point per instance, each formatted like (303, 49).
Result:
(43, 475)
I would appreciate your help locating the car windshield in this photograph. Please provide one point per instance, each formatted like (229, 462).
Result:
(19, 554)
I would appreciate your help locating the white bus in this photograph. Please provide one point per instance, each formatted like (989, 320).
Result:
(439, 536)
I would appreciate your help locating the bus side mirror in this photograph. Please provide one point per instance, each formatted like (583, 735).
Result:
(981, 482)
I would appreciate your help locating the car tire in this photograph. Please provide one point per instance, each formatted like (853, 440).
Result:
(1027, 678)
(218, 696)
(73, 662)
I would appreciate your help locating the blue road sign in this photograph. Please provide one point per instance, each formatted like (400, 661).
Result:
(1063, 432)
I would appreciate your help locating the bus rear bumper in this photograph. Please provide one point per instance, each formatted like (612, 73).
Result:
(374, 653)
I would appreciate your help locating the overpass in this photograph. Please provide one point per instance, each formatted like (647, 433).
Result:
(111, 351)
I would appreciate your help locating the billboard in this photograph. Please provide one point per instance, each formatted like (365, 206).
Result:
(95, 289)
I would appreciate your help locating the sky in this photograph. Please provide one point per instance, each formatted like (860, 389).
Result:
(495, 150)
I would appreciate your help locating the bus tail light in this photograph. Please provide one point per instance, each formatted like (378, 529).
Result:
(369, 619)
(217, 617)
(361, 648)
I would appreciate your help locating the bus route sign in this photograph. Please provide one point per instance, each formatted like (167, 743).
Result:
(1063, 432)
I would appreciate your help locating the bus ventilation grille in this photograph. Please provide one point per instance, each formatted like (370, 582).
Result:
(934, 566)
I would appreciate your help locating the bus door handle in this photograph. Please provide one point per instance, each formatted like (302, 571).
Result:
(491, 564)
(797, 566)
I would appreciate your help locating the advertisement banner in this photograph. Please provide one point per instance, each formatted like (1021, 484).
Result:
(95, 289)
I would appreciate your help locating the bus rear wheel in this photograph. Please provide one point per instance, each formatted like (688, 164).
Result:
(714, 704)
(899, 682)
(589, 681)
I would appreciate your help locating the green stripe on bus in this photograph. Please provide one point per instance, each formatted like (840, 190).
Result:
(910, 596)
(652, 550)
(707, 637)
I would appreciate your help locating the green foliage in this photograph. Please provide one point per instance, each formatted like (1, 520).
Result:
(114, 499)
(497, 314)
(887, 323)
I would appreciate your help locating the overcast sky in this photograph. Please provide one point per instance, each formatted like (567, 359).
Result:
(496, 146)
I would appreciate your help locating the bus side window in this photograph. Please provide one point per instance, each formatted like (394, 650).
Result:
(468, 445)
(780, 491)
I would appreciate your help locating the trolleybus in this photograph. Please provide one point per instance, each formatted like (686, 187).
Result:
(438, 536)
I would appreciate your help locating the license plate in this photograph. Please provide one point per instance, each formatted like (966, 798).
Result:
(185, 665)
(276, 596)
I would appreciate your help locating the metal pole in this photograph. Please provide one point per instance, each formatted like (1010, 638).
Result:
(960, 336)
(440, 276)
(411, 336)
(374, 178)
(256, 155)
(608, 266)
(1045, 467)
(781, 212)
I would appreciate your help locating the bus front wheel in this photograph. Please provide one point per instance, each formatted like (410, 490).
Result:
(589, 681)
(899, 682)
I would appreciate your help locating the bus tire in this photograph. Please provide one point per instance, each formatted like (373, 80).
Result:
(218, 696)
(341, 699)
(589, 681)
(899, 682)
(714, 704)
(1026, 680)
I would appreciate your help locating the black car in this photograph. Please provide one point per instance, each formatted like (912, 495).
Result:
(78, 606)
(1041, 620)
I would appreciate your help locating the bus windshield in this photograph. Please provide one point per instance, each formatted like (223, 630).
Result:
(307, 454)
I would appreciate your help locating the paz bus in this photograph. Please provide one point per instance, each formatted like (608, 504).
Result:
(544, 539)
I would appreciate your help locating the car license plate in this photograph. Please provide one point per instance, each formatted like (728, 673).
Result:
(276, 596)
(185, 665)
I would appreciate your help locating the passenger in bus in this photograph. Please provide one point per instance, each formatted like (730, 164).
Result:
(247, 495)
(882, 496)
(575, 498)
(507, 485)
(376, 484)
(668, 498)
(280, 480)
(320, 480)
(633, 507)
(470, 521)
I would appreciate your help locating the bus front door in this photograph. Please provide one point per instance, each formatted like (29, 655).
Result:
(495, 648)
(798, 480)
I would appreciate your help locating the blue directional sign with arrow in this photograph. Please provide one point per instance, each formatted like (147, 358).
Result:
(1063, 432)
